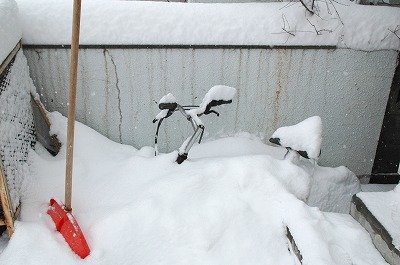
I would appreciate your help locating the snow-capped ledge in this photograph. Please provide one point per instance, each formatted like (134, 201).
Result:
(109, 22)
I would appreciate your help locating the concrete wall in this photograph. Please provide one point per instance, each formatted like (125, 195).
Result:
(118, 90)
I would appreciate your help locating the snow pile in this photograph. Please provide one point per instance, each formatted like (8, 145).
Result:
(139, 209)
(10, 30)
(304, 136)
(385, 206)
(333, 188)
(343, 24)
(16, 124)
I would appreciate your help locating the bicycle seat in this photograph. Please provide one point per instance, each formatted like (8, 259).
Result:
(168, 102)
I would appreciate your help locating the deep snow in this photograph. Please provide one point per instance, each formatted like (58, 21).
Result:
(338, 23)
(219, 207)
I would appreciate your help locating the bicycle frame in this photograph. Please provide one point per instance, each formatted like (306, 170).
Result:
(189, 142)
(217, 95)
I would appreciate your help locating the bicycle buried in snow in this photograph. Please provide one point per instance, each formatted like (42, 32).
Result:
(217, 95)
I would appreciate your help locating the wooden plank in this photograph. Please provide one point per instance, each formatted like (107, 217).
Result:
(8, 59)
(16, 215)
(42, 127)
(381, 238)
(294, 246)
(6, 202)
(17, 212)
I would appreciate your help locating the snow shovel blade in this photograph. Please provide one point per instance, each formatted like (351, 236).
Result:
(69, 229)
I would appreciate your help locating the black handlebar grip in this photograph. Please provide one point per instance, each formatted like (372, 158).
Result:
(170, 106)
(215, 103)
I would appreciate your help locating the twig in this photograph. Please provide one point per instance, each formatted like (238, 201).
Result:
(306, 7)
(290, 3)
(395, 31)
(319, 31)
(337, 13)
(340, 3)
(291, 33)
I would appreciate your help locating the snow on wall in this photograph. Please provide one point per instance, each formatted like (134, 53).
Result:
(118, 90)
(345, 25)
(10, 31)
(16, 124)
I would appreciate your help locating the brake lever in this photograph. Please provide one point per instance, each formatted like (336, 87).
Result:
(169, 113)
(212, 111)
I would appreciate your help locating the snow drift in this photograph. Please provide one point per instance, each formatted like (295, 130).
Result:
(139, 209)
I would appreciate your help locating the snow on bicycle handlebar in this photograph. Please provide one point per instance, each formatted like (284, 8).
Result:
(217, 95)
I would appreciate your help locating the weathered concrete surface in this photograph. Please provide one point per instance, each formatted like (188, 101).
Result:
(379, 235)
(118, 90)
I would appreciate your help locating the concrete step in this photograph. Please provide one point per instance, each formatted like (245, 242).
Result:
(381, 237)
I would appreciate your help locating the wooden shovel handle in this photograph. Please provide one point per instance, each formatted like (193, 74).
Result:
(71, 102)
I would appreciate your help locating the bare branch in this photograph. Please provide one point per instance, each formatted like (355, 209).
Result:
(395, 31)
(319, 31)
(289, 32)
(290, 3)
(337, 13)
(306, 7)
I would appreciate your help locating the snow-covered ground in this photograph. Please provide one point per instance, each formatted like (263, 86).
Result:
(228, 204)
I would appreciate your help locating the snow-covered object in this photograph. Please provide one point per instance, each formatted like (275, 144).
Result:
(333, 188)
(343, 24)
(217, 93)
(304, 136)
(16, 124)
(169, 98)
(220, 210)
(162, 114)
(10, 30)
(385, 206)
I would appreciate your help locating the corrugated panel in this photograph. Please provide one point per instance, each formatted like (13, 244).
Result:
(118, 90)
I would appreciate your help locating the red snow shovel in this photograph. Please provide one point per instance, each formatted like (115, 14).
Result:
(61, 215)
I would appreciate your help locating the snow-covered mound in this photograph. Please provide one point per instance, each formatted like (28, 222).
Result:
(303, 137)
(333, 188)
(337, 23)
(139, 209)
(10, 30)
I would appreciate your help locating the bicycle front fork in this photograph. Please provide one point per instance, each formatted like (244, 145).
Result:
(187, 145)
